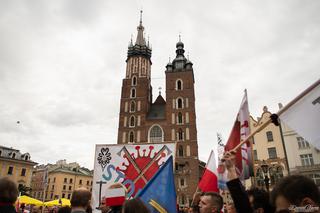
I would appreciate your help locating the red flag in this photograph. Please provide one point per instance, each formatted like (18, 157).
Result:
(239, 132)
(209, 180)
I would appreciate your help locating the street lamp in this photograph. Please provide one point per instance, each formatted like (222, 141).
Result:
(265, 168)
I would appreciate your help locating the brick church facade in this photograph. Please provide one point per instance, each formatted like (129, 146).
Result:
(165, 120)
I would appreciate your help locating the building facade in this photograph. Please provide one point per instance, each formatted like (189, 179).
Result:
(17, 166)
(303, 158)
(173, 119)
(270, 162)
(55, 181)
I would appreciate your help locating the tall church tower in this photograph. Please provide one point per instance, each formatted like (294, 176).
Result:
(172, 120)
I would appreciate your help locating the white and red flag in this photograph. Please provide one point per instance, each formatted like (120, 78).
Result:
(115, 197)
(303, 114)
(209, 180)
(239, 132)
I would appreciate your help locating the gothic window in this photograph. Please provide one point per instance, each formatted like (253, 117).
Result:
(179, 85)
(179, 103)
(269, 136)
(179, 118)
(180, 151)
(132, 106)
(131, 137)
(134, 81)
(133, 93)
(155, 134)
(180, 135)
(132, 121)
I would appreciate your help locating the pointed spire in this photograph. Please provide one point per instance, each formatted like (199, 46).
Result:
(140, 38)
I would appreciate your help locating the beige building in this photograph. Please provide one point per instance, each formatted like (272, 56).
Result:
(303, 158)
(15, 165)
(62, 179)
(268, 153)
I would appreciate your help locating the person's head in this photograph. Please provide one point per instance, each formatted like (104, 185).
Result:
(8, 191)
(80, 198)
(134, 206)
(65, 209)
(295, 190)
(210, 202)
(230, 208)
(259, 200)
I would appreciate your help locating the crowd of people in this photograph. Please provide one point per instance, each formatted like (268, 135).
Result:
(295, 193)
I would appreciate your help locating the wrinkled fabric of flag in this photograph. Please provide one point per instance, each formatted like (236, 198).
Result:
(159, 194)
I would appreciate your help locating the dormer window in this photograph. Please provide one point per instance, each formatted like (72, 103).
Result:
(26, 157)
(134, 81)
(13, 155)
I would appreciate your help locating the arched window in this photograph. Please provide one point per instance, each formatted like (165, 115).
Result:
(132, 121)
(155, 134)
(179, 84)
(180, 135)
(179, 103)
(180, 118)
(133, 93)
(180, 151)
(131, 137)
(132, 106)
(26, 157)
(134, 81)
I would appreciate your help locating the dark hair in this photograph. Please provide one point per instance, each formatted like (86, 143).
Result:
(65, 209)
(135, 206)
(295, 188)
(260, 199)
(216, 199)
(8, 190)
(80, 198)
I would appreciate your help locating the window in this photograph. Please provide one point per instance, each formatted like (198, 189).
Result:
(80, 181)
(269, 136)
(259, 177)
(182, 182)
(14, 155)
(302, 143)
(315, 178)
(155, 134)
(88, 182)
(272, 153)
(132, 106)
(132, 121)
(180, 151)
(52, 187)
(23, 172)
(64, 187)
(70, 188)
(179, 103)
(49, 180)
(0, 152)
(131, 137)
(54, 180)
(69, 196)
(26, 157)
(133, 93)
(51, 195)
(10, 170)
(306, 160)
(65, 180)
(134, 81)
(63, 195)
(180, 118)
(255, 155)
(179, 84)
(70, 180)
(180, 135)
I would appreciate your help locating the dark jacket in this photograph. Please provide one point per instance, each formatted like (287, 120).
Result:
(239, 196)
(7, 209)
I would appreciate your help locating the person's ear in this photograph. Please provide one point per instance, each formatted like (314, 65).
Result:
(307, 201)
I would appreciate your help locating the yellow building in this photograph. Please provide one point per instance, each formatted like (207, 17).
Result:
(270, 162)
(15, 165)
(62, 179)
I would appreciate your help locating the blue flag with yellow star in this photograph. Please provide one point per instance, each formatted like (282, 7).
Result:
(159, 194)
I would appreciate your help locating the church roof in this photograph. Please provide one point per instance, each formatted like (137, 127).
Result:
(158, 109)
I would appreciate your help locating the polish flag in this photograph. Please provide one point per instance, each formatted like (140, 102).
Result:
(115, 197)
(209, 180)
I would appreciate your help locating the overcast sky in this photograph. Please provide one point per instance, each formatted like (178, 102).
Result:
(62, 63)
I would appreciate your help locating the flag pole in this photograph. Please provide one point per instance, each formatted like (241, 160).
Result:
(282, 110)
